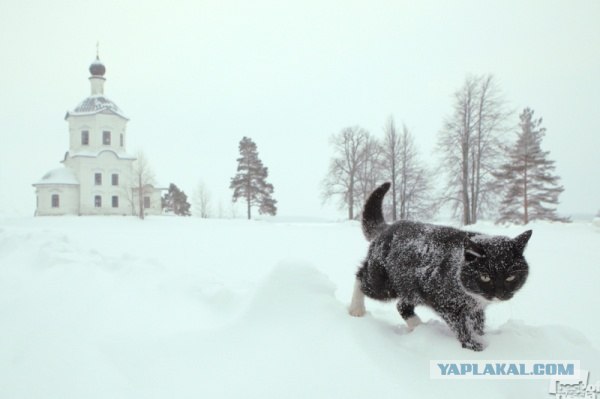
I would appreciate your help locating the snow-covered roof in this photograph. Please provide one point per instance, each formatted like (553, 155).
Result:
(93, 154)
(58, 176)
(96, 104)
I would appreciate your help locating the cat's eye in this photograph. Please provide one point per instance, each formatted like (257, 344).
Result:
(510, 278)
(485, 278)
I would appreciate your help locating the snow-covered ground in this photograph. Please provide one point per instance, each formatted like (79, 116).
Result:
(112, 307)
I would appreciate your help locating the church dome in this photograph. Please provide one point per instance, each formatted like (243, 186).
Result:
(96, 103)
(97, 68)
(60, 175)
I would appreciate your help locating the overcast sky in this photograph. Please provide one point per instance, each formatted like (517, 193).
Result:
(196, 76)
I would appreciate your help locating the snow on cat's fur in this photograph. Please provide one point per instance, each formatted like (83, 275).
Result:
(457, 273)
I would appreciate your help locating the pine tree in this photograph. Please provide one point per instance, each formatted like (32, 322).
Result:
(176, 201)
(530, 185)
(250, 181)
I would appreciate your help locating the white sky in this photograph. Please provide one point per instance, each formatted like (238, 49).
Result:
(196, 76)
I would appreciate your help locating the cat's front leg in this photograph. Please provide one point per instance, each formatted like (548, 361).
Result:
(467, 338)
(471, 324)
(357, 305)
(479, 321)
(407, 311)
(473, 345)
(461, 322)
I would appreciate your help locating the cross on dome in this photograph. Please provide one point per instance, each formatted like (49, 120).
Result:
(97, 68)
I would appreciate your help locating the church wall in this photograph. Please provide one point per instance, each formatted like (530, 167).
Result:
(155, 196)
(68, 200)
(155, 203)
(106, 164)
(95, 125)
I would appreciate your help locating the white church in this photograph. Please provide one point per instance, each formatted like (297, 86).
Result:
(97, 176)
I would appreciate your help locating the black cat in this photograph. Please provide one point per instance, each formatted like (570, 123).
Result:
(457, 273)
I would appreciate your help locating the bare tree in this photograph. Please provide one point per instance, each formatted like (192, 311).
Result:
(343, 177)
(233, 210)
(370, 170)
(415, 198)
(470, 142)
(202, 201)
(411, 184)
(390, 154)
(220, 211)
(143, 183)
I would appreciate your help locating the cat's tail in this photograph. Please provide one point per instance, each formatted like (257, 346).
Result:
(372, 216)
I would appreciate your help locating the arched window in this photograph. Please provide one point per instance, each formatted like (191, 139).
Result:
(55, 201)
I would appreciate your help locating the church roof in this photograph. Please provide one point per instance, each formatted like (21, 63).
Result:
(95, 153)
(58, 176)
(96, 104)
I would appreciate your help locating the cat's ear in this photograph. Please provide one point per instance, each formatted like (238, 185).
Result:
(472, 250)
(522, 239)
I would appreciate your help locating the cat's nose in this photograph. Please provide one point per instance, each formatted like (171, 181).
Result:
(503, 296)
(499, 293)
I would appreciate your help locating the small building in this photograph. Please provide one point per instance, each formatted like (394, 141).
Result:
(98, 176)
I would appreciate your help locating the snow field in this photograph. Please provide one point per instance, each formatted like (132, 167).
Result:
(182, 307)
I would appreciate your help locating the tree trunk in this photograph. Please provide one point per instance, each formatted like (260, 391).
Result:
(466, 132)
(394, 177)
(477, 188)
(473, 205)
(248, 192)
(525, 199)
(465, 185)
(403, 176)
(141, 196)
(403, 192)
(351, 200)
(477, 157)
(249, 203)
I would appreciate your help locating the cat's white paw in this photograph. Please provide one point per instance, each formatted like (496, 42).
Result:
(357, 305)
(357, 311)
(413, 322)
